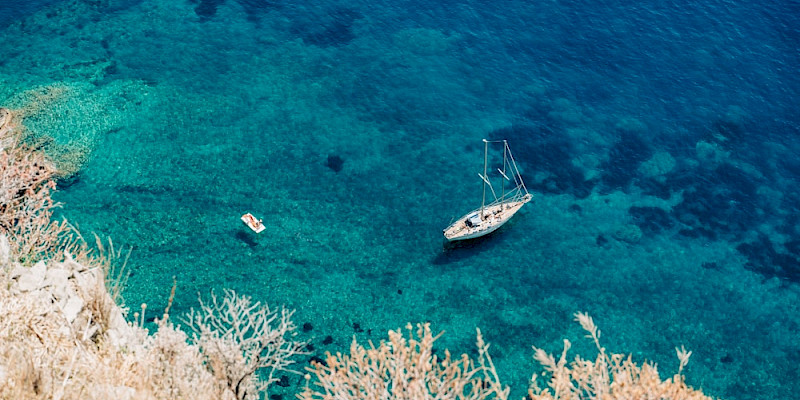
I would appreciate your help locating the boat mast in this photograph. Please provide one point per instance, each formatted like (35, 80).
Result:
(505, 152)
(485, 160)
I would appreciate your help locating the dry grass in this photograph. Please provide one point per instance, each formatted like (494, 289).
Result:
(26, 205)
(405, 368)
(609, 376)
(244, 343)
(40, 359)
(45, 354)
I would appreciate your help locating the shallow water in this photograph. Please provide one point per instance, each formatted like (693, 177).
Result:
(659, 142)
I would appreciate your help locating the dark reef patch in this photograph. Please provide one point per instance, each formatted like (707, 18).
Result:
(695, 233)
(651, 219)
(317, 360)
(283, 381)
(762, 257)
(207, 8)
(256, 8)
(652, 187)
(624, 159)
(710, 265)
(335, 163)
(334, 29)
(730, 131)
(547, 153)
(721, 200)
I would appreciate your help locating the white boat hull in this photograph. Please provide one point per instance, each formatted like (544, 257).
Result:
(471, 225)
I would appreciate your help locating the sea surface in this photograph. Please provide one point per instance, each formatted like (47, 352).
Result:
(660, 141)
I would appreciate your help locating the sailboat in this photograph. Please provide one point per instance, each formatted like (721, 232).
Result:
(489, 217)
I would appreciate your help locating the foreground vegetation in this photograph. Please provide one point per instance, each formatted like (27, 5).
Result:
(65, 334)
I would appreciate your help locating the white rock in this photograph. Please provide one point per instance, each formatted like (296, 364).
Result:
(115, 338)
(33, 278)
(117, 320)
(57, 280)
(86, 281)
(5, 251)
(43, 300)
(660, 164)
(64, 331)
(117, 392)
(18, 271)
(72, 308)
(72, 265)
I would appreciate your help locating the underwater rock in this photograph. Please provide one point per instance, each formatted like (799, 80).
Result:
(318, 360)
(424, 41)
(548, 156)
(566, 111)
(710, 265)
(698, 232)
(283, 381)
(710, 154)
(624, 160)
(657, 166)
(729, 205)
(762, 257)
(207, 8)
(628, 233)
(336, 31)
(651, 219)
(630, 125)
(335, 163)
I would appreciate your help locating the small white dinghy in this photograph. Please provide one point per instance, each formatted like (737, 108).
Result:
(489, 217)
(255, 224)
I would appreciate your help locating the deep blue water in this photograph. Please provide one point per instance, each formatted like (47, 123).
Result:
(14, 10)
(659, 139)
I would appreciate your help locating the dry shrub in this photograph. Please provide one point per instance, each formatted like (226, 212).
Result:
(609, 376)
(26, 205)
(104, 294)
(8, 128)
(45, 356)
(42, 358)
(244, 343)
(405, 369)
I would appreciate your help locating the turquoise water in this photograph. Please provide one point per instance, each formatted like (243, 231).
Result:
(660, 142)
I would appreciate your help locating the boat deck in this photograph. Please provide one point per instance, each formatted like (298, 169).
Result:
(495, 215)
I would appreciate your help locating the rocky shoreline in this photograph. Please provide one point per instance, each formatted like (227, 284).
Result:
(64, 334)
